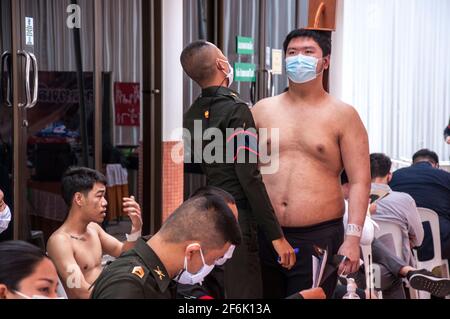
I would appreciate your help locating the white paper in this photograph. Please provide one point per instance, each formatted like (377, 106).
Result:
(319, 265)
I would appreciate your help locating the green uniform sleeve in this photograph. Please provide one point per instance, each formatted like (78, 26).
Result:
(248, 173)
(119, 288)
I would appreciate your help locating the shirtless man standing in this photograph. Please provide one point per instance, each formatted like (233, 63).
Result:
(319, 136)
(77, 247)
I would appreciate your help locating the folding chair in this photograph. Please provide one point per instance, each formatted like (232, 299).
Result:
(368, 267)
(430, 216)
(394, 232)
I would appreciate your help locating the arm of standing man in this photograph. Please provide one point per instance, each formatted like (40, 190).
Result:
(111, 245)
(355, 156)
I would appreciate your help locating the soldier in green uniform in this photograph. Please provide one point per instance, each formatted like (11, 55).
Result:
(220, 108)
(185, 250)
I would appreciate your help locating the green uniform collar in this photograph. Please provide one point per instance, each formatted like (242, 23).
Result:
(218, 90)
(153, 263)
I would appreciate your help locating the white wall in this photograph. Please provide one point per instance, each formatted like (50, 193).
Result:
(172, 90)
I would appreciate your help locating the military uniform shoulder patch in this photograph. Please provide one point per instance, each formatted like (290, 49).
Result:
(138, 271)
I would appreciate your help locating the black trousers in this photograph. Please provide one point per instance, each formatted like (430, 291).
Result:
(279, 283)
(243, 272)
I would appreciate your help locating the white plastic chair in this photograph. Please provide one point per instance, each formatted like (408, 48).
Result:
(368, 267)
(430, 216)
(389, 228)
(394, 232)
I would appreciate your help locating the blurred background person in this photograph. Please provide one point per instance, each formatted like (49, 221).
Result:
(5, 213)
(26, 272)
(447, 133)
(429, 186)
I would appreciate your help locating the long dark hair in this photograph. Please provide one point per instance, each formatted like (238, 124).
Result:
(18, 260)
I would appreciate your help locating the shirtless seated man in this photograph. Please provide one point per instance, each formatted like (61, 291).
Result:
(318, 137)
(77, 247)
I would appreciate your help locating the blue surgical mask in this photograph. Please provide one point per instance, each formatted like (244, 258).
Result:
(187, 278)
(301, 68)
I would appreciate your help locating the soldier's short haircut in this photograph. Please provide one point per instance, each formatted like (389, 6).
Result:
(197, 61)
(205, 219)
(211, 190)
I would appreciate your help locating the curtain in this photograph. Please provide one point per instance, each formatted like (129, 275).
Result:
(54, 44)
(191, 33)
(122, 32)
(280, 22)
(241, 18)
(122, 38)
(393, 68)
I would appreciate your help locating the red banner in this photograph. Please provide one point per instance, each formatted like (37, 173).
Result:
(127, 98)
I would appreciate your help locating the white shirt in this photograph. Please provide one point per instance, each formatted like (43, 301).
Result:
(400, 208)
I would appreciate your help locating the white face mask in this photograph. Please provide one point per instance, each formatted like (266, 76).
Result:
(186, 278)
(228, 255)
(230, 74)
(5, 219)
(37, 296)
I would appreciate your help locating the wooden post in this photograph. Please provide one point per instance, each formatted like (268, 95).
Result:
(322, 15)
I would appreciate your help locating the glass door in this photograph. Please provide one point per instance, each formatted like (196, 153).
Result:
(121, 62)
(6, 113)
(281, 19)
(241, 18)
(77, 102)
(55, 47)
